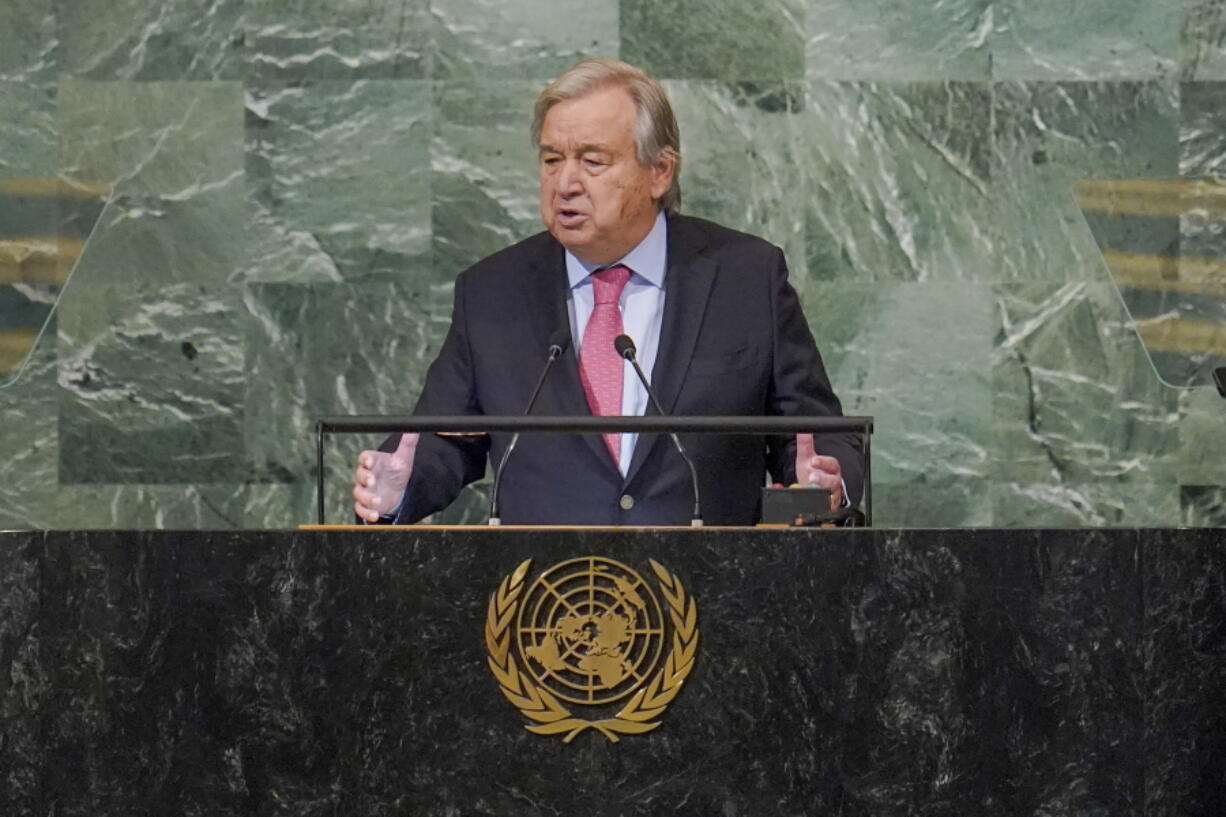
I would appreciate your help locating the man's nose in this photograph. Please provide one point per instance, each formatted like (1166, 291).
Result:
(569, 183)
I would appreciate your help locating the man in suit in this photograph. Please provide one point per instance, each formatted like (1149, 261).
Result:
(718, 328)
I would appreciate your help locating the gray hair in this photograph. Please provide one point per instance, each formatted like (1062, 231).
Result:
(655, 129)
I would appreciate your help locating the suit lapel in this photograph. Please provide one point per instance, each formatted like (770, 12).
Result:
(546, 297)
(687, 288)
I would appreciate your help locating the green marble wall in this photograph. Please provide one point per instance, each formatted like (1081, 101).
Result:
(297, 184)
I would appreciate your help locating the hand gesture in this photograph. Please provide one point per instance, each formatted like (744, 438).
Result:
(815, 469)
(380, 479)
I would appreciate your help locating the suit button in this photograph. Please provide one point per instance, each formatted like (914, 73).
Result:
(627, 502)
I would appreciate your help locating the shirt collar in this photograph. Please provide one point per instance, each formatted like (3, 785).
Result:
(647, 259)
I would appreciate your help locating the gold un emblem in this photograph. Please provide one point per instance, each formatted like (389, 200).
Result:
(590, 633)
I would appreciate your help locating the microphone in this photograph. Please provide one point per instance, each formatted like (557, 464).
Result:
(625, 348)
(559, 342)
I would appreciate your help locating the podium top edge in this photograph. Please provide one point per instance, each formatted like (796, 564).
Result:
(583, 424)
(495, 528)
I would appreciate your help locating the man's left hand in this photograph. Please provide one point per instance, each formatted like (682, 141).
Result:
(815, 469)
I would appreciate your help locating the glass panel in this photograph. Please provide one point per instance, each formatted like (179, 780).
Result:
(45, 225)
(1164, 241)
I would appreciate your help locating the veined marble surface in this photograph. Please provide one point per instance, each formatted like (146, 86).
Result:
(296, 186)
(882, 673)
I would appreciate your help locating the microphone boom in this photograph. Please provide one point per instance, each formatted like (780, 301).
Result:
(624, 345)
(559, 342)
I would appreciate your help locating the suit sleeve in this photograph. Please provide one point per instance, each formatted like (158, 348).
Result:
(443, 466)
(800, 388)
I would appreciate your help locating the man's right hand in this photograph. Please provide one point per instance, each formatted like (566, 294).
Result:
(381, 477)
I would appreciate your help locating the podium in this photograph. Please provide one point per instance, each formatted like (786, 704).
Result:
(855, 672)
(480, 425)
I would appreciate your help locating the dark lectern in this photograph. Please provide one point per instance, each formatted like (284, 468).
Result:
(853, 672)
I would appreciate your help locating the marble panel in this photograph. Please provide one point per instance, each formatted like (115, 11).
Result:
(348, 350)
(898, 40)
(277, 421)
(910, 181)
(151, 39)
(127, 599)
(277, 506)
(715, 39)
(926, 381)
(137, 626)
(898, 181)
(1202, 506)
(175, 139)
(504, 39)
(1184, 649)
(151, 385)
(321, 349)
(216, 659)
(29, 442)
(742, 159)
(1080, 642)
(1202, 128)
(142, 239)
(933, 502)
(484, 174)
(27, 129)
(277, 252)
(1202, 41)
(1076, 401)
(344, 166)
(22, 681)
(150, 507)
(1151, 500)
(1202, 449)
(1087, 40)
(1049, 135)
(1068, 621)
(294, 40)
(29, 48)
(1023, 672)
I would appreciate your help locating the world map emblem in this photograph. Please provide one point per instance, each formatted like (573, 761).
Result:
(591, 644)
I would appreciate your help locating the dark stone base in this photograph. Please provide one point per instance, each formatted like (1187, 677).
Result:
(838, 672)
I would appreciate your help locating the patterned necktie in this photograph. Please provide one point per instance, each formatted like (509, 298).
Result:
(600, 367)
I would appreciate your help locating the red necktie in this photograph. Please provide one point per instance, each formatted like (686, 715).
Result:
(600, 367)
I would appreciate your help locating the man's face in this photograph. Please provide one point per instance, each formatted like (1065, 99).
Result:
(596, 199)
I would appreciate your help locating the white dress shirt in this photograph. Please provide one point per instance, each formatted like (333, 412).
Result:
(642, 307)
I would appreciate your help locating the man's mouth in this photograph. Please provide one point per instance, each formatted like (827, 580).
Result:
(569, 217)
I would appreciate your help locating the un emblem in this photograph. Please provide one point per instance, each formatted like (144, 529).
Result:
(591, 632)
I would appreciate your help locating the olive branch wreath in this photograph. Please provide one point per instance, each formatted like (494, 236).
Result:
(542, 706)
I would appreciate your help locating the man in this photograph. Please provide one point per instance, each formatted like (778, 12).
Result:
(718, 329)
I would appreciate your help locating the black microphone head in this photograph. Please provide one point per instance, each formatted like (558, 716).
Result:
(624, 346)
(559, 342)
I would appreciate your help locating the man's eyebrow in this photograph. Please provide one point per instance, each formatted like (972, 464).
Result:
(588, 148)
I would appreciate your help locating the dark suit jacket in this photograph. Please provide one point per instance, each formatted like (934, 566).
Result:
(733, 342)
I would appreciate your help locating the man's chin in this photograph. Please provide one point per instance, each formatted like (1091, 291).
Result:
(577, 241)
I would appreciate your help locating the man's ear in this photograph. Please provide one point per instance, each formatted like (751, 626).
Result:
(663, 171)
